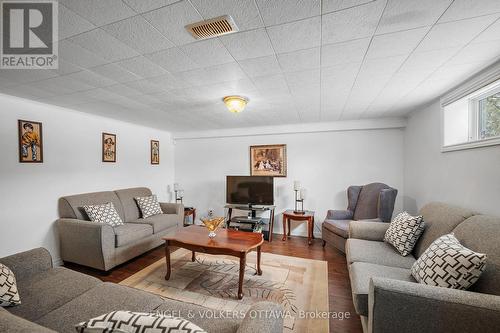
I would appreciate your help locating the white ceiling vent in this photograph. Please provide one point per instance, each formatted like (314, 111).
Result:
(217, 26)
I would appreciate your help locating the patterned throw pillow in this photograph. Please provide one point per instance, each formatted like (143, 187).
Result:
(404, 232)
(8, 287)
(447, 263)
(105, 213)
(136, 322)
(149, 206)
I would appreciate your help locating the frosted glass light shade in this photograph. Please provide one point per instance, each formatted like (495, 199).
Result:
(235, 104)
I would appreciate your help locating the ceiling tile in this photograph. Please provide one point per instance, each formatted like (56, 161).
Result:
(99, 12)
(352, 23)
(381, 66)
(71, 24)
(244, 12)
(27, 91)
(168, 82)
(195, 77)
(142, 67)
(122, 90)
(294, 36)
(303, 78)
(104, 45)
(226, 72)
(91, 79)
(486, 53)
(300, 60)
(492, 33)
(141, 6)
(408, 14)
(397, 43)
(144, 86)
(79, 56)
(139, 34)
(282, 11)
(23, 76)
(271, 83)
(336, 5)
(260, 66)
(343, 53)
(428, 60)
(461, 9)
(171, 21)
(457, 33)
(62, 85)
(173, 60)
(115, 72)
(248, 44)
(207, 52)
(66, 68)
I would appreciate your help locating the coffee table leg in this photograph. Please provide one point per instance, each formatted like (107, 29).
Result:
(243, 258)
(167, 258)
(259, 271)
(193, 256)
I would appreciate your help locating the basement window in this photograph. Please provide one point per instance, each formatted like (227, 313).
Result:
(472, 120)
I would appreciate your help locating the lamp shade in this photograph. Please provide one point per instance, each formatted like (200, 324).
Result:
(296, 185)
(235, 104)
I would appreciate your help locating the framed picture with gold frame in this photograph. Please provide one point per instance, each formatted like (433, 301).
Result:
(155, 152)
(108, 147)
(30, 141)
(268, 160)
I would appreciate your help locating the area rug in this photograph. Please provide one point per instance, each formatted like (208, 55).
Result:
(299, 285)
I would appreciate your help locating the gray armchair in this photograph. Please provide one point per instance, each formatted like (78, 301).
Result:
(374, 202)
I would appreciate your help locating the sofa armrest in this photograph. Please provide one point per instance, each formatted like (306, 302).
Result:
(172, 208)
(339, 215)
(86, 243)
(28, 263)
(368, 230)
(263, 317)
(399, 306)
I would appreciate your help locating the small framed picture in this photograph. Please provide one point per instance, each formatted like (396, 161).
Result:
(155, 152)
(268, 160)
(30, 141)
(108, 147)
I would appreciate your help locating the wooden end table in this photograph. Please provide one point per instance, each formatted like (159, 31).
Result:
(189, 212)
(227, 242)
(307, 216)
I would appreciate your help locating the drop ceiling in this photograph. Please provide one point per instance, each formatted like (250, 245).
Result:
(297, 61)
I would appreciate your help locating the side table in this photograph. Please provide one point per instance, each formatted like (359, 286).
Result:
(188, 211)
(307, 216)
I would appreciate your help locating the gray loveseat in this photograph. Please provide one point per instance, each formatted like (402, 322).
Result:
(389, 300)
(56, 299)
(103, 247)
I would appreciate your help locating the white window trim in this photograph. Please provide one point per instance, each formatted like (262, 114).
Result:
(481, 80)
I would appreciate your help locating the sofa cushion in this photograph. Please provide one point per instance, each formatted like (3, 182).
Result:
(360, 274)
(149, 206)
(130, 208)
(159, 222)
(49, 290)
(360, 250)
(103, 213)
(72, 206)
(367, 205)
(339, 227)
(130, 232)
(404, 231)
(12, 323)
(481, 234)
(440, 219)
(105, 297)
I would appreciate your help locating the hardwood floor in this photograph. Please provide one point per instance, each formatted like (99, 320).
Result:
(339, 289)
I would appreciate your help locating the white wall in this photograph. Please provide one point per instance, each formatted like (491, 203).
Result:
(72, 164)
(326, 163)
(468, 178)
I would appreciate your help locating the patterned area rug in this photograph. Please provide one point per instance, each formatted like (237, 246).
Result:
(299, 285)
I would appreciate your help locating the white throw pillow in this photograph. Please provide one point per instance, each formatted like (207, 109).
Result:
(137, 322)
(404, 232)
(149, 206)
(447, 263)
(105, 213)
(9, 295)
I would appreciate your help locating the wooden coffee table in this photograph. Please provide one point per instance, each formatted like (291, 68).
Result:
(227, 242)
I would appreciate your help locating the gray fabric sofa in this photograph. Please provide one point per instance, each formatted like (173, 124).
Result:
(56, 299)
(389, 300)
(103, 247)
(373, 202)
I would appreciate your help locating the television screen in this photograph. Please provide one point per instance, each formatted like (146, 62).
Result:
(254, 190)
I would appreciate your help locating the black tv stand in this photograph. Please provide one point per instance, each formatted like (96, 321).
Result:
(268, 234)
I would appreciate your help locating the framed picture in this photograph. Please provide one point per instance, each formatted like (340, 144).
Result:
(268, 160)
(155, 152)
(30, 141)
(108, 147)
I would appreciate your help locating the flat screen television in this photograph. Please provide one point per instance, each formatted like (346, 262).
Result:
(250, 190)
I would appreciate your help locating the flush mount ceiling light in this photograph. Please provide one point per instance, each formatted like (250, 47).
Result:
(235, 104)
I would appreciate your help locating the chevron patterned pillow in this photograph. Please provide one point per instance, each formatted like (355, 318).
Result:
(8, 287)
(447, 263)
(149, 206)
(105, 213)
(137, 322)
(404, 232)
